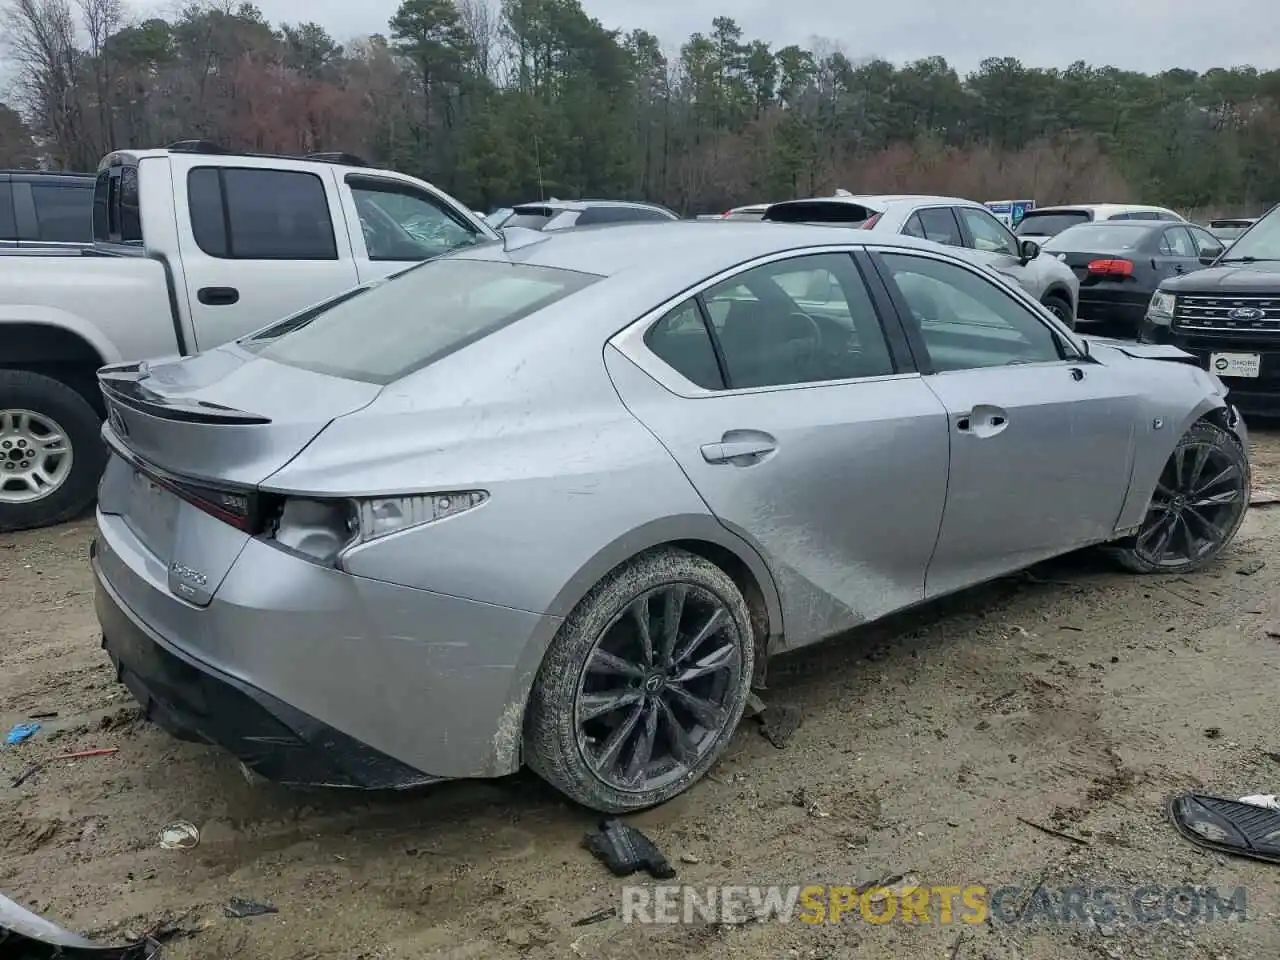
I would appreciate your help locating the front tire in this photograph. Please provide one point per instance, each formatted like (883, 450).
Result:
(51, 451)
(644, 685)
(1198, 505)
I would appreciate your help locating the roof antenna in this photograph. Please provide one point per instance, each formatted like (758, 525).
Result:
(537, 160)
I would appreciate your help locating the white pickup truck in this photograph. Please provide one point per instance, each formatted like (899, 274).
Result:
(193, 246)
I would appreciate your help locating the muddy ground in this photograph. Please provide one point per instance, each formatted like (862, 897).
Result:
(1079, 700)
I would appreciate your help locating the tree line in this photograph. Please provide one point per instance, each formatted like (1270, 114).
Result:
(502, 101)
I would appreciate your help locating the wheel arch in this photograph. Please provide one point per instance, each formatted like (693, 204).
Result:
(59, 346)
(1060, 290)
(703, 536)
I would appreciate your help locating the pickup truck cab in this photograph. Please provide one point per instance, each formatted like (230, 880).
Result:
(1228, 317)
(193, 246)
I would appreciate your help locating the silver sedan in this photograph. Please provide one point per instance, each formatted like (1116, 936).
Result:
(554, 501)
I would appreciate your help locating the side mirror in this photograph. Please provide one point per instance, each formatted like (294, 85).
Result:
(1028, 250)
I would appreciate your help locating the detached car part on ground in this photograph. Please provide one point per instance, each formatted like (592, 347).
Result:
(580, 487)
(27, 936)
(967, 226)
(1228, 316)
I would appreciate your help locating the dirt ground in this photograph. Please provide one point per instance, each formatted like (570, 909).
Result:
(1079, 699)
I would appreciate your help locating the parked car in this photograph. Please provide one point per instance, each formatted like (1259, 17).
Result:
(377, 561)
(562, 214)
(195, 246)
(495, 219)
(751, 211)
(1044, 222)
(1230, 229)
(40, 209)
(1228, 316)
(1121, 262)
(952, 222)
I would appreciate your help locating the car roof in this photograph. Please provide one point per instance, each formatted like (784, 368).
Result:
(1099, 209)
(681, 248)
(883, 199)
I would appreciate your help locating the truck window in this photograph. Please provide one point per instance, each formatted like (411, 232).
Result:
(64, 213)
(248, 214)
(400, 223)
(8, 226)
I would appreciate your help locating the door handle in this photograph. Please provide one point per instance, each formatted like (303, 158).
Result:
(741, 452)
(218, 296)
(984, 420)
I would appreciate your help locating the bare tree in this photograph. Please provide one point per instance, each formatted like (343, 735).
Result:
(40, 36)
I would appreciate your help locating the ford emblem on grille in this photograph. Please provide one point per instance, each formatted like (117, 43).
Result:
(1246, 314)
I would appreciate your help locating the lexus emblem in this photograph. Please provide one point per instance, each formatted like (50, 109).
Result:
(117, 422)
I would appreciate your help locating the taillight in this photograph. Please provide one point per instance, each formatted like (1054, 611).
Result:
(1111, 268)
(871, 221)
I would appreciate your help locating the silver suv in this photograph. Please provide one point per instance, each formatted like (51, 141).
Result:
(563, 214)
(952, 222)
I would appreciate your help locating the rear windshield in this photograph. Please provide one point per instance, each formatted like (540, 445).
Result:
(818, 211)
(1049, 224)
(1097, 238)
(419, 316)
(1230, 224)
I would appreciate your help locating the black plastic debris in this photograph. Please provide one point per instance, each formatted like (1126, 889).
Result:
(625, 850)
(27, 936)
(1227, 826)
(779, 722)
(238, 909)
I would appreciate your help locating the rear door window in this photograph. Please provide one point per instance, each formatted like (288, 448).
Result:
(248, 214)
(8, 225)
(64, 212)
(425, 313)
(940, 226)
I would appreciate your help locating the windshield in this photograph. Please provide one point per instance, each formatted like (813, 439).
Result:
(1095, 238)
(1260, 242)
(410, 320)
(1050, 223)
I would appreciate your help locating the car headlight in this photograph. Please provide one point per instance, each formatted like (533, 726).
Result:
(323, 529)
(1160, 309)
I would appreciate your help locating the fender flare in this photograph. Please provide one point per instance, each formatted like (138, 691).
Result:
(63, 320)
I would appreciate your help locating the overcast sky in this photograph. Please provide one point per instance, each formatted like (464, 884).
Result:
(1147, 35)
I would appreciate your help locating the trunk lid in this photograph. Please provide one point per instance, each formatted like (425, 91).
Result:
(190, 440)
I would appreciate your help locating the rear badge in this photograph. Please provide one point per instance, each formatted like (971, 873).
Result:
(186, 573)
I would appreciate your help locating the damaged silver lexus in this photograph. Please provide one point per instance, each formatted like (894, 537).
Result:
(552, 502)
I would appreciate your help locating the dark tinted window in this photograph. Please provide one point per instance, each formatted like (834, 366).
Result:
(268, 214)
(8, 227)
(421, 315)
(680, 339)
(64, 212)
(968, 322)
(940, 226)
(803, 320)
(1050, 224)
(914, 228)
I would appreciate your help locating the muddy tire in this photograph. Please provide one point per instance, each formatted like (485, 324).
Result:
(1198, 505)
(644, 684)
(1060, 308)
(58, 479)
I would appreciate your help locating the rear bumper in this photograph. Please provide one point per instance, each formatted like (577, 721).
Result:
(1111, 309)
(192, 701)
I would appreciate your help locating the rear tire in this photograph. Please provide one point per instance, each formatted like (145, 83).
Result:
(599, 698)
(33, 408)
(1200, 500)
(1060, 308)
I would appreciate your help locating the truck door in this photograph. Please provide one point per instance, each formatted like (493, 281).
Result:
(259, 241)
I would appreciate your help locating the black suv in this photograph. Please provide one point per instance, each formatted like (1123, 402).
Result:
(39, 209)
(1228, 316)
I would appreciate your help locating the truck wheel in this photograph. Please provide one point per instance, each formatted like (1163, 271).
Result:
(1061, 309)
(51, 451)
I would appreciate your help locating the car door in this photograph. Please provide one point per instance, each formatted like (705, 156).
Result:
(996, 246)
(400, 224)
(257, 243)
(1178, 252)
(804, 431)
(1041, 437)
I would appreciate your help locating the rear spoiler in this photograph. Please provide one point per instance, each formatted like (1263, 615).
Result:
(123, 384)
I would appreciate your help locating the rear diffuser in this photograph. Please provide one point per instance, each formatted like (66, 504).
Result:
(1227, 826)
(27, 936)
